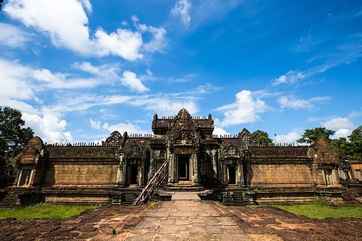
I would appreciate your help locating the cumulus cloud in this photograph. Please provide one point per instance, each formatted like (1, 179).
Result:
(66, 23)
(12, 36)
(290, 102)
(121, 127)
(112, 73)
(130, 79)
(49, 125)
(342, 126)
(20, 85)
(20, 81)
(288, 138)
(124, 43)
(182, 10)
(219, 131)
(245, 109)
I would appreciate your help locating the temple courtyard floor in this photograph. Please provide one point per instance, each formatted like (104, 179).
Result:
(183, 218)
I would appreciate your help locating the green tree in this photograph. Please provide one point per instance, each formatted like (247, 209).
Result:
(260, 138)
(311, 135)
(13, 137)
(356, 143)
(342, 146)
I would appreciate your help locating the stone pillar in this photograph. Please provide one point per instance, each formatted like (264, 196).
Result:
(195, 171)
(214, 164)
(171, 167)
(152, 167)
(140, 170)
(238, 173)
(121, 172)
(31, 181)
(226, 174)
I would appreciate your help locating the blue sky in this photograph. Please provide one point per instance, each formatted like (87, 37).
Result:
(79, 69)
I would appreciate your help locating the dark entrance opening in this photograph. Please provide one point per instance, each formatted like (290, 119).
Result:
(132, 174)
(183, 167)
(232, 175)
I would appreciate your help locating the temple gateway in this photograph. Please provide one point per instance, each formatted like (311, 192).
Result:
(181, 154)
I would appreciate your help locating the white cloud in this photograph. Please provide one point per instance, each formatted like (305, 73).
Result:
(62, 81)
(290, 102)
(158, 41)
(20, 84)
(66, 23)
(121, 127)
(111, 73)
(344, 53)
(164, 104)
(14, 81)
(342, 126)
(87, 5)
(12, 36)
(245, 109)
(288, 138)
(48, 125)
(123, 42)
(290, 77)
(219, 131)
(21, 81)
(182, 10)
(338, 123)
(130, 80)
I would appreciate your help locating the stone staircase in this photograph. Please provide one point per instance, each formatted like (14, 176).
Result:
(8, 199)
(153, 185)
(183, 186)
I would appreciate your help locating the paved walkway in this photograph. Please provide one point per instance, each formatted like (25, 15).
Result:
(187, 218)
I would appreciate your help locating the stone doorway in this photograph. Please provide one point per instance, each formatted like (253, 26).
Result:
(183, 168)
(231, 174)
(132, 173)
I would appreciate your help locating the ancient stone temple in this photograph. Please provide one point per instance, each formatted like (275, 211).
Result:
(181, 154)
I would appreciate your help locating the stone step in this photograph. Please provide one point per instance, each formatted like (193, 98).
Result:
(183, 188)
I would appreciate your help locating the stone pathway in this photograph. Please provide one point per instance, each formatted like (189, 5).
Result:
(187, 218)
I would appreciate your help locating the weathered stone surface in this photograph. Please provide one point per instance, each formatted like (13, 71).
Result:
(184, 219)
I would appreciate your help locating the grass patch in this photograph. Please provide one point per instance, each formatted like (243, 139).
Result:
(321, 210)
(44, 211)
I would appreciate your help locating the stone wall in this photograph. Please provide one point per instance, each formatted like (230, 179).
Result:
(77, 199)
(357, 170)
(81, 174)
(281, 175)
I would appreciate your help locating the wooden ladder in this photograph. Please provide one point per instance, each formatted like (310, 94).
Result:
(155, 182)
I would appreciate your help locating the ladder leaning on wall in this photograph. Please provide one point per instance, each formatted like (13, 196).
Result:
(155, 182)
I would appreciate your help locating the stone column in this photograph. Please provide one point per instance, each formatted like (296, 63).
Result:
(152, 166)
(238, 173)
(121, 172)
(171, 167)
(195, 172)
(214, 164)
(140, 170)
(31, 177)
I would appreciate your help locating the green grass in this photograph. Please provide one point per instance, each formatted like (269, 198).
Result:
(321, 210)
(44, 211)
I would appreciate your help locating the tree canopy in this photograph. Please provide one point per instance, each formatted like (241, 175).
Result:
(260, 138)
(356, 144)
(13, 137)
(311, 135)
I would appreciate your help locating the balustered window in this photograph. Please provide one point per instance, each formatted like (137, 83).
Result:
(24, 177)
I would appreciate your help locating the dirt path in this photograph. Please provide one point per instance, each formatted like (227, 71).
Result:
(184, 218)
(187, 218)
